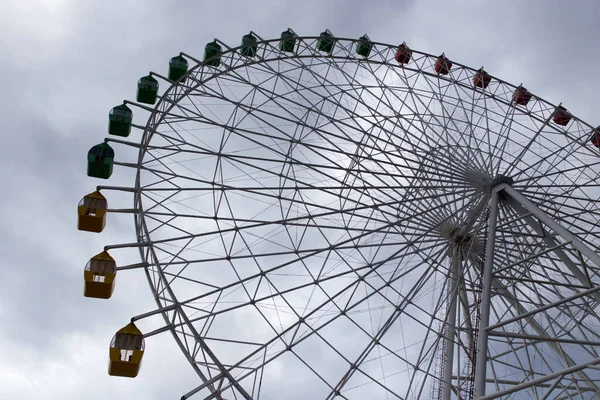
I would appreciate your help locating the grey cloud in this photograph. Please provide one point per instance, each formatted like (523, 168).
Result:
(64, 70)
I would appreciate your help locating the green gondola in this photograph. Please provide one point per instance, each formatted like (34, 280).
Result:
(212, 54)
(147, 91)
(364, 46)
(326, 42)
(119, 121)
(178, 66)
(249, 45)
(288, 41)
(100, 161)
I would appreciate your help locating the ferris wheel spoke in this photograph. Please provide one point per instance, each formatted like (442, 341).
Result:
(283, 265)
(327, 212)
(163, 165)
(168, 222)
(300, 182)
(300, 97)
(328, 277)
(540, 332)
(417, 100)
(575, 216)
(400, 308)
(383, 151)
(486, 139)
(533, 178)
(376, 116)
(411, 380)
(445, 118)
(350, 211)
(466, 110)
(560, 152)
(410, 90)
(317, 148)
(572, 210)
(484, 113)
(459, 107)
(427, 352)
(503, 139)
(356, 99)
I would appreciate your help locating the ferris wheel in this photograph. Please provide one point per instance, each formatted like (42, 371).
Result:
(329, 218)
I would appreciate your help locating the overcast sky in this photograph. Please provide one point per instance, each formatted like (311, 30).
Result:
(65, 63)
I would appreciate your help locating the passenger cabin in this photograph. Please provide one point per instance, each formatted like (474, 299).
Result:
(443, 65)
(100, 161)
(126, 352)
(99, 276)
(288, 41)
(119, 121)
(326, 42)
(561, 116)
(91, 212)
(364, 46)
(147, 90)
(212, 54)
(403, 54)
(249, 45)
(521, 96)
(481, 79)
(178, 67)
(595, 139)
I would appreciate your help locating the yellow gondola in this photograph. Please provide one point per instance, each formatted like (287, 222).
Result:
(99, 276)
(126, 351)
(92, 212)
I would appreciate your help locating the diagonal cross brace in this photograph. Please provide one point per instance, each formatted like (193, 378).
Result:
(525, 208)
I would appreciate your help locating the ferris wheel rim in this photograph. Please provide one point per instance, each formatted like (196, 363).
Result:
(142, 230)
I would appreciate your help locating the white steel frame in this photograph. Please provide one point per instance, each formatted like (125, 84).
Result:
(412, 197)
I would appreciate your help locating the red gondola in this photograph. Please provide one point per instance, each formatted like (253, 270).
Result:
(482, 79)
(521, 96)
(561, 116)
(596, 137)
(403, 54)
(443, 65)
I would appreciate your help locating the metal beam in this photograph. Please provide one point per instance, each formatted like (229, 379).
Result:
(556, 227)
(486, 295)
(539, 385)
(544, 308)
(545, 378)
(558, 350)
(451, 322)
(544, 338)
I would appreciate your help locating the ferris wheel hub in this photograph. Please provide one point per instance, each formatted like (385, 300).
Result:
(502, 179)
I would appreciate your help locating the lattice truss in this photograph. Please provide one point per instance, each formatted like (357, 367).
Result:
(318, 225)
